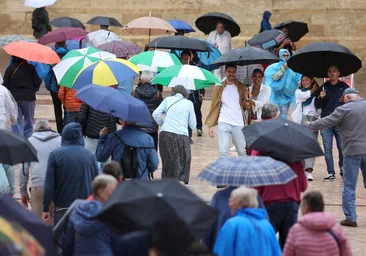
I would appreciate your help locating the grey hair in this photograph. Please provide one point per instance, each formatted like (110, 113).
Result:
(41, 125)
(147, 76)
(180, 89)
(245, 197)
(101, 182)
(269, 111)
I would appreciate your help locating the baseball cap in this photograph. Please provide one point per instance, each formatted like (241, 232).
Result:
(349, 91)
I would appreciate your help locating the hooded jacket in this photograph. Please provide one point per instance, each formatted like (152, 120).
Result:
(265, 25)
(247, 233)
(50, 80)
(70, 170)
(8, 107)
(84, 234)
(40, 22)
(44, 143)
(310, 230)
(150, 95)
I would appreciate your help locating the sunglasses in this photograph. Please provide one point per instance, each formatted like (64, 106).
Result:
(285, 55)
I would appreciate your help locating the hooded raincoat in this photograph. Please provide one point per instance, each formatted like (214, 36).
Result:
(265, 25)
(283, 82)
(8, 107)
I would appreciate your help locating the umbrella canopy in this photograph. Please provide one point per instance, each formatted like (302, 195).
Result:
(15, 150)
(283, 140)
(267, 39)
(39, 3)
(102, 36)
(251, 171)
(141, 204)
(67, 22)
(12, 211)
(74, 61)
(155, 60)
(181, 25)
(315, 59)
(207, 23)
(116, 103)
(16, 38)
(179, 43)
(122, 49)
(191, 77)
(149, 26)
(106, 21)
(246, 56)
(32, 52)
(296, 29)
(61, 35)
(106, 73)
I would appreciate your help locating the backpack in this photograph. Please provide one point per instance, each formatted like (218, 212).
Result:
(128, 161)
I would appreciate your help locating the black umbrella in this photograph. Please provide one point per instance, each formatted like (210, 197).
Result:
(267, 39)
(67, 22)
(12, 211)
(296, 29)
(246, 56)
(106, 21)
(315, 59)
(15, 149)
(180, 43)
(144, 204)
(207, 23)
(283, 140)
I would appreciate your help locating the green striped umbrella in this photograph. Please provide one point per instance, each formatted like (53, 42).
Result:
(74, 61)
(155, 60)
(191, 77)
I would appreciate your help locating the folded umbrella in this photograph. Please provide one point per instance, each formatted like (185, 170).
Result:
(16, 38)
(141, 204)
(39, 3)
(102, 36)
(32, 52)
(207, 23)
(116, 103)
(251, 171)
(74, 61)
(61, 35)
(106, 73)
(191, 77)
(155, 60)
(67, 22)
(267, 39)
(106, 21)
(315, 59)
(181, 25)
(179, 43)
(283, 140)
(122, 49)
(296, 29)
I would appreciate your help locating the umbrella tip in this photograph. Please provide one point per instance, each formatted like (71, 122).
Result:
(159, 195)
(286, 124)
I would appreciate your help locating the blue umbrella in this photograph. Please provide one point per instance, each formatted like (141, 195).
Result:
(116, 103)
(181, 25)
(251, 171)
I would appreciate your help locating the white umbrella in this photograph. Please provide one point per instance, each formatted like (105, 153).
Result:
(39, 3)
(102, 36)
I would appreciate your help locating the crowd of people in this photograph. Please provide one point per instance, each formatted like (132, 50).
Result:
(89, 155)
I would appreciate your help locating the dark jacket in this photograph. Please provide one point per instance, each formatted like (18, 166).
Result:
(330, 102)
(21, 80)
(84, 234)
(265, 25)
(110, 145)
(92, 121)
(149, 94)
(70, 171)
(40, 22)
(50, 78)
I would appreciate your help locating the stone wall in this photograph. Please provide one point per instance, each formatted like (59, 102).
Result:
(342, 21)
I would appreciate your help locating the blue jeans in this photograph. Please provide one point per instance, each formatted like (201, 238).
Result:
(284, 110)
(327, 135)
(282, 215)
(24, 125)
(71, 117)
(225, 131)
(57, 215)
(351, 167)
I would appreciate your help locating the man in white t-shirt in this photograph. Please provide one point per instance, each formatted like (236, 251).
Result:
(227, 111)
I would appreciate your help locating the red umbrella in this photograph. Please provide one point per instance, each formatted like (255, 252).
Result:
(62, 34)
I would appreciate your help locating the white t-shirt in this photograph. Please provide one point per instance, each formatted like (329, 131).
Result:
(230, 112)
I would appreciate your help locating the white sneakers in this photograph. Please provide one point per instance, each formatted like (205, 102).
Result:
(309, 176)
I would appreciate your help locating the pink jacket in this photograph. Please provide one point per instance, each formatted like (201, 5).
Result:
(309, 237)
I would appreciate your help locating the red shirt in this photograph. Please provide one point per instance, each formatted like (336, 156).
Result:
(287, 192)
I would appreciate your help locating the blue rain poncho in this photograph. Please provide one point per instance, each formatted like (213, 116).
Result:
(283, 84)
